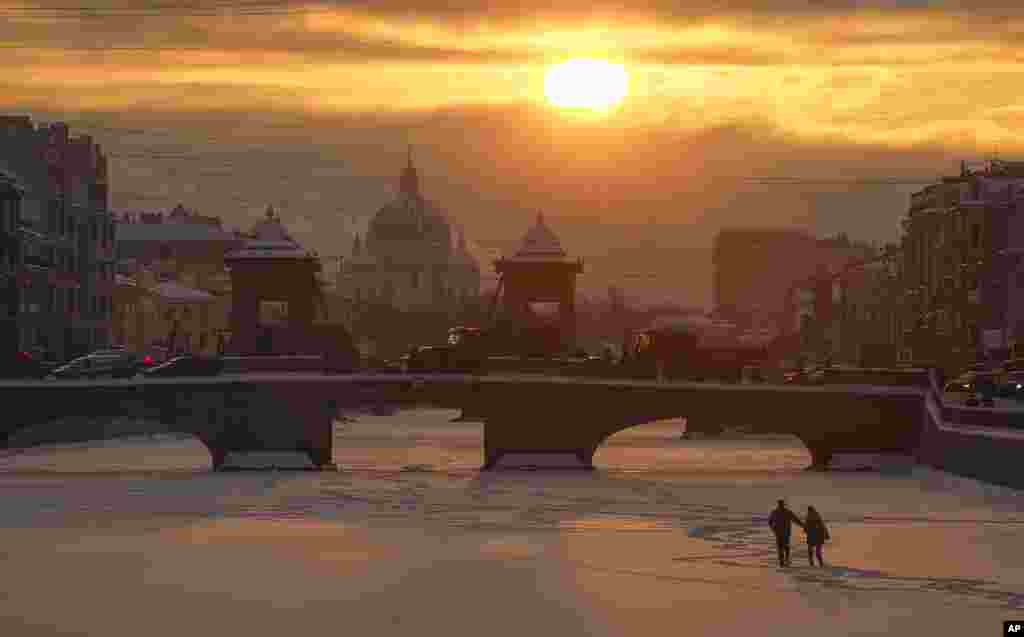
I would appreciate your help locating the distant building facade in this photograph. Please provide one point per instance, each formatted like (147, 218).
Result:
(410, 258)
(178, 241)
(962, 271)
(754, 270)
(67, 238)
(178, 245)
(10, 263)
(848, 316)
(173, 279)
(166, 313)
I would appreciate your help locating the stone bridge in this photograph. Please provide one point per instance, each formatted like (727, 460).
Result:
(563, 419)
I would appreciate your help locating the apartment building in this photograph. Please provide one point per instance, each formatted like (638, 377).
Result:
(961, 245)
(65, 234)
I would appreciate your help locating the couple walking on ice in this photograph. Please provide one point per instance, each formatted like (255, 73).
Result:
(781, 521)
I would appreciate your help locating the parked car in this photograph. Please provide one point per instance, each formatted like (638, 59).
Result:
(1013, 387)
(805, 376)
(187, 365)
(429, 359)
(46, 358)
(22, 365)
(108, 363)
(156, 353)
(979, 387)
(958, 388)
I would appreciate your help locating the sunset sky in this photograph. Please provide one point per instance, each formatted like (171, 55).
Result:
(231, 104)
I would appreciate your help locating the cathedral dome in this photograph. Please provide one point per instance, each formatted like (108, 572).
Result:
(410, 218)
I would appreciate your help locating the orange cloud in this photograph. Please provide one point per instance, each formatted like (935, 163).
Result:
(891, 77)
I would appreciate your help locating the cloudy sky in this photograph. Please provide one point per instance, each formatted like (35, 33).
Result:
(228, 105)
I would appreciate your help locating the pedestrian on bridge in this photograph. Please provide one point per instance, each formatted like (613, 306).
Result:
(780, 521)
(817, 534)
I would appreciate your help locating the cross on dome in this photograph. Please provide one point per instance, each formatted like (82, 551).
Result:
(409, 182)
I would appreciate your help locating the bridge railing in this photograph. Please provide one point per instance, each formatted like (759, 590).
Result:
(890, 377)
(297, 363)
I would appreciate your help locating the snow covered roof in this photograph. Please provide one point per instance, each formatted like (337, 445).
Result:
(173, 292)
(170, 232)
(539, 243)
(270, 241)
(270, 229)
(268, 250)
(690, 323)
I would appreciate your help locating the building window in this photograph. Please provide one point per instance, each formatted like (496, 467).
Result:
(415, 279)
(975, 235)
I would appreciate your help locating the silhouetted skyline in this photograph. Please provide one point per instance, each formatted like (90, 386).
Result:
(238, 105)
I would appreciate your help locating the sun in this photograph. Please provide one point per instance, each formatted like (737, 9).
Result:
(595, 85)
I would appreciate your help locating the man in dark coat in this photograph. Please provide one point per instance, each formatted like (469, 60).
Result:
(780, 521)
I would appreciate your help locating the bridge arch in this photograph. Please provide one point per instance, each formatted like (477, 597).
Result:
(660, 444)
(66, 435)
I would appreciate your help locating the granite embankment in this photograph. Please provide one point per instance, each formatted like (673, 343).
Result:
(984, 444)
(83, 429)
(76, 429)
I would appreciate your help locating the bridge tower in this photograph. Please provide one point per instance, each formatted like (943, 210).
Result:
(538, 272)
(274, 293)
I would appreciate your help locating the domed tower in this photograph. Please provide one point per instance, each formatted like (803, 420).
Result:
(274, 289)
(409, 182)
(540, 271)
(410, 224)
(408, 257)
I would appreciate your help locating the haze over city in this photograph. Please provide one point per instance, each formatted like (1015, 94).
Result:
(228, 106)
(505, 318)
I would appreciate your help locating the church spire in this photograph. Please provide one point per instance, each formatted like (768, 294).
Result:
(409, 183)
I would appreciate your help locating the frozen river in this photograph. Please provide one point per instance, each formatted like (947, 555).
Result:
(667, 537)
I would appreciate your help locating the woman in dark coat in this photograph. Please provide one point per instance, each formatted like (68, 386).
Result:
(817, 533)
